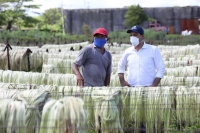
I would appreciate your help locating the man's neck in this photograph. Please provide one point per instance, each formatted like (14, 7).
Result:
(102, 50)
(139, 46)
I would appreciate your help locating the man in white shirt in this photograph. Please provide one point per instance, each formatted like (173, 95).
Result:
(145, 64)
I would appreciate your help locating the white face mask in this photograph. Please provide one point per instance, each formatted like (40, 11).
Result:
(134, 41)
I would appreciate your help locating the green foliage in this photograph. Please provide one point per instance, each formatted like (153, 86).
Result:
(135, 16)
(118, 34)
(51, 20)
(14, 11)
(29, 21)
(156, 38)
(151, 34)
(51, 28)
(40, 36)
(151, 19)
(52, 16)
(86, 30)
(2, 19)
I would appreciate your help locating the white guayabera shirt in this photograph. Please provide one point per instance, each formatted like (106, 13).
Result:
(143, 65)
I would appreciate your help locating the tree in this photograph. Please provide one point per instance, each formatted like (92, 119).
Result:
(52, 16)
(86, 30)
(2, 22)
(14, 10)
(135, 16)
(2, 17)
(51, 20)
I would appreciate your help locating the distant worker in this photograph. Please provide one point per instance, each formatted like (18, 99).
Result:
(71, 49)
(80, 47)
(112, 44)
(18, 43)
(120, 44)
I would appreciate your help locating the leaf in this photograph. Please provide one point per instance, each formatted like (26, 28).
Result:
(32, 6)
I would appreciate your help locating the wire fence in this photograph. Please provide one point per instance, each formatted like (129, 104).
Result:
(134, 104)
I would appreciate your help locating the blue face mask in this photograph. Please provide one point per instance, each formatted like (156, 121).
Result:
(99, 42)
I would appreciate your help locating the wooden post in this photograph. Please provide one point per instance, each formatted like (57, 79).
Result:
(99, 119)
(28, 52)
(8, 55)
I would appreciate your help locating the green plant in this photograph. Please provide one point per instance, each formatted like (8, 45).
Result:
(135, 16)
(151, 34)
(86, 30)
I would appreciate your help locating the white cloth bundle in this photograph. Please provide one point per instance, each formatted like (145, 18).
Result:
(108, 108)
(86, 94)
(64, 115)
(12, 116)
(34, 101)
(8, 93)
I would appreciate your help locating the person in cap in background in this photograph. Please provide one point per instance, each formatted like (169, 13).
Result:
(145, 63)
(80, 47)
(95, 62)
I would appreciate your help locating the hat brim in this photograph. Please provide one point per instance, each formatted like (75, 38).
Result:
(100, 34)
(132, 30)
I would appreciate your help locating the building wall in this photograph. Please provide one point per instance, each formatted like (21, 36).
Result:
(113, 19)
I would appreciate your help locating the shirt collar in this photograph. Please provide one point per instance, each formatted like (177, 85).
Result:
(144, 46)
(94, 46)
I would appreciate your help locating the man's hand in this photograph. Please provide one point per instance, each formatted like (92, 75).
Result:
(152, 85)
(80, 80)
(124, 83)
(156, 82)
(122, 80)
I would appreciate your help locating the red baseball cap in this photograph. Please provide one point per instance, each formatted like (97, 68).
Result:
(101, 31)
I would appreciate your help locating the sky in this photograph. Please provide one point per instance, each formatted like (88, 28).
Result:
(91, 4)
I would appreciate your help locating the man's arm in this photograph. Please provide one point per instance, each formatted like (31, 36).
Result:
(107, 80)
(108, 72)
(122, 80)
(121, 70)
(159, 66)
(79, 61)
(156, 82)
(80, 80)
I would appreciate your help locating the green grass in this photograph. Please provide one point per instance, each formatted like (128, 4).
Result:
(42, 37)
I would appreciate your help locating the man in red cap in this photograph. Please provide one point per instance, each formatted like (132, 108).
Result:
(95, 62)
